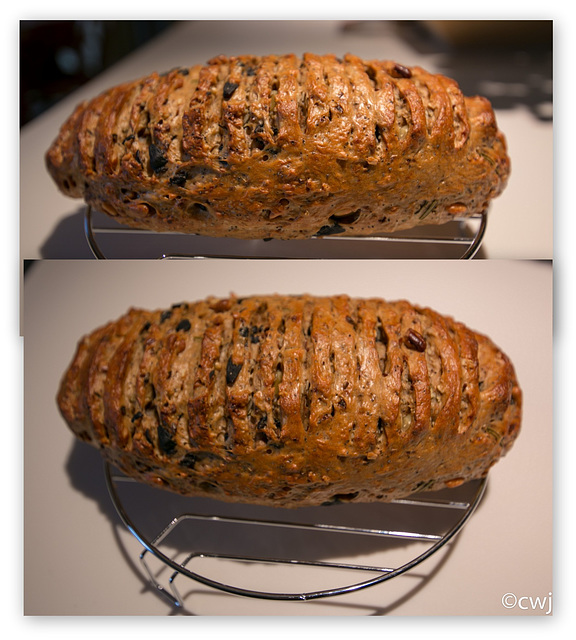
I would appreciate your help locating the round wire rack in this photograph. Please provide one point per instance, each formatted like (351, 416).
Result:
(417, 527)
(461, 239)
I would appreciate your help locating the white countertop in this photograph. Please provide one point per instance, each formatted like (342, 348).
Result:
(80, 560)
(520, 221)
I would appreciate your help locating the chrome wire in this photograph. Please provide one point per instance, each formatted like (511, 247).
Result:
(473, 244)
(383, 573)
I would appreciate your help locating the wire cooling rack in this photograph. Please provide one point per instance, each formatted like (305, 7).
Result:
(399, 535)
(459, 239)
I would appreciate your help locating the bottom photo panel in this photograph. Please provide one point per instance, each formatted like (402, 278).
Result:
(213, 437)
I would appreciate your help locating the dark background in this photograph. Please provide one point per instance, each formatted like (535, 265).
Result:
(58, 56)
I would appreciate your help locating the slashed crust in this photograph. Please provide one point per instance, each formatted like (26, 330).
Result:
(283, 147)
(293, 400)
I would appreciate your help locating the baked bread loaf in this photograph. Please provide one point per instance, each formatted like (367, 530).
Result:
(283, 147)
(293, 400)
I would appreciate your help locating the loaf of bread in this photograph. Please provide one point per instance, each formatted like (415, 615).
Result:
(293, 401)
(283, 147)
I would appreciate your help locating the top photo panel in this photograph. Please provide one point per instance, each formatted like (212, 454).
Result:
(286, 139)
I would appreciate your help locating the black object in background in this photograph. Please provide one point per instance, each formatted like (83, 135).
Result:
(58, 56)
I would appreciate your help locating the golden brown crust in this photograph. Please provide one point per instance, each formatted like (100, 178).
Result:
(284, 147)
(293, 400)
